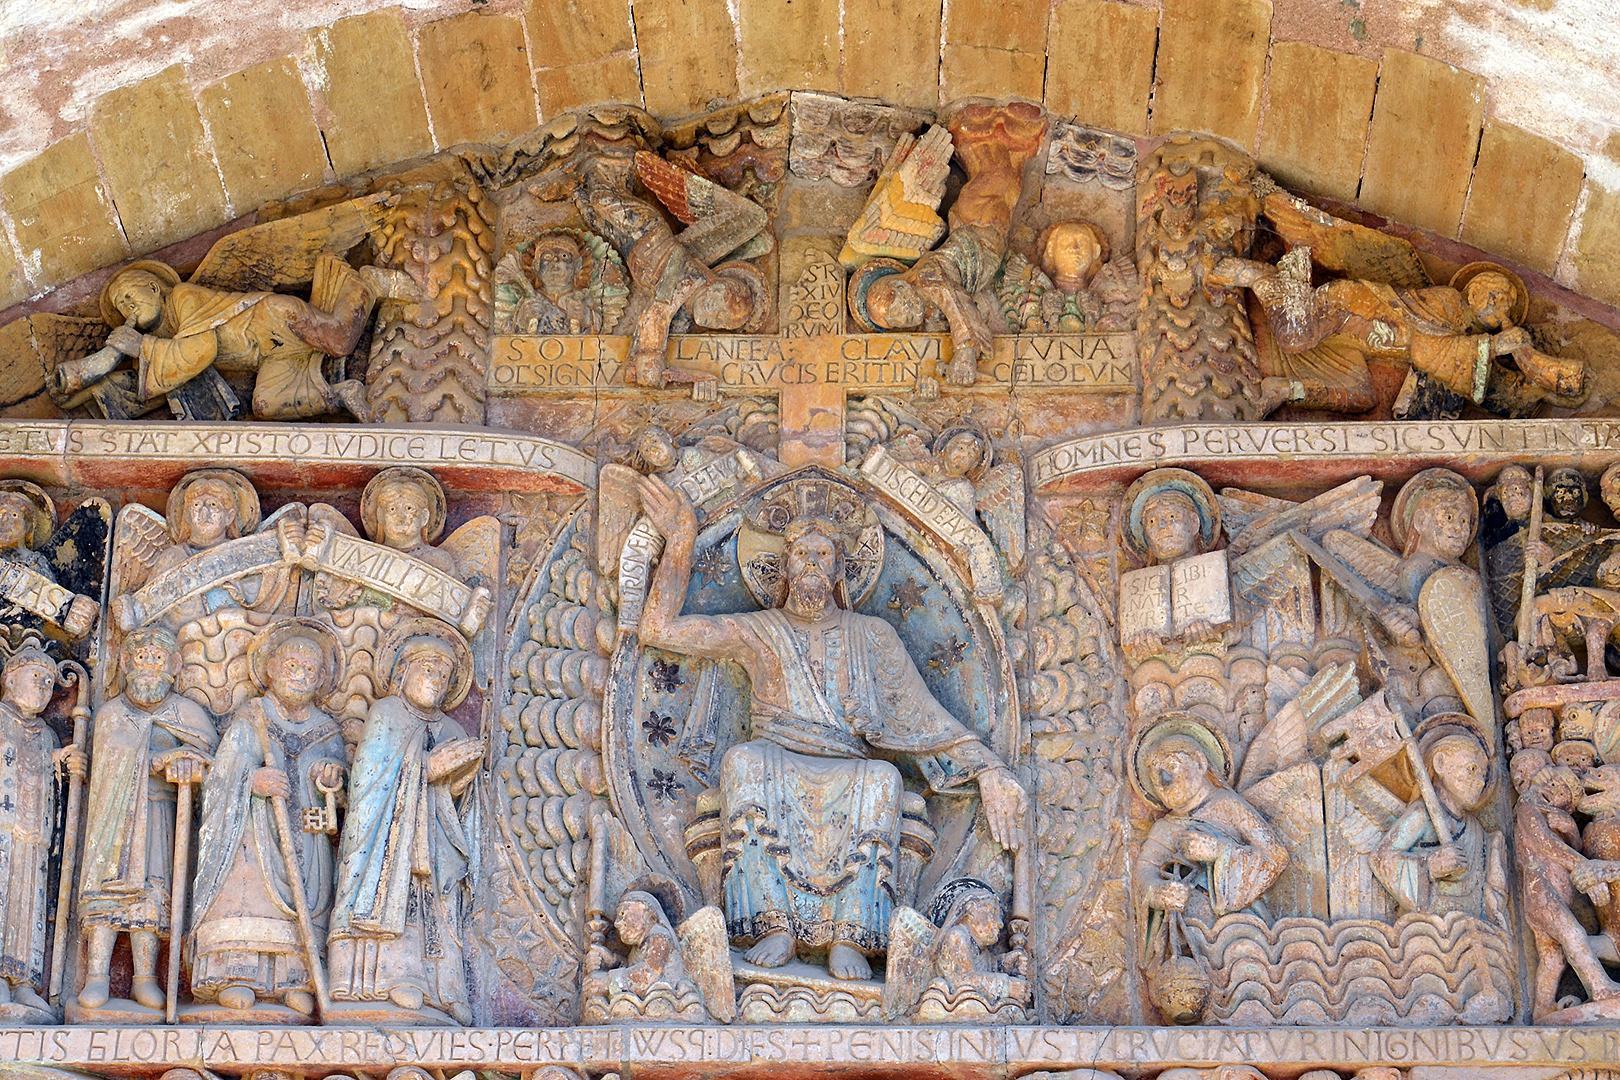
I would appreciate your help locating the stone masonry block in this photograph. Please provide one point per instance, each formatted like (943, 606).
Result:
(374, 110)
(891, 50)
(13, 285)
(1212, 63)
(997, 24)
(1315, 130)
(1420, 149)
(1522, 196)
(1595, 258)
(1100, 63)
(159, 166)
(688, 55)
(567, 33)
(788, 46)
(475, 72)
(983, 71)
(61, 216)
(264, 133)
(614, 79)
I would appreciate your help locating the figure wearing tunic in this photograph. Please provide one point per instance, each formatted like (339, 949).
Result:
(1248, 864)
(812, 816)
(246, 925)
(129, 842)
(27, 825)
(402, 868)
(1402, 866)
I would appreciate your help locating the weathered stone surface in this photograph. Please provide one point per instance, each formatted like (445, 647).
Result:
(21, 375)
(986, 71)
(160, 169)
(265, 137)
(13, 284)
(688, 54)
(1522, 196)
(1595, 260)
(996, 25)
(1421, 145)
(1212, 63)
(1318, 106)
(62, 219)
(787, 46)
(891, 50)
(475, 72)
(612, 78)
(374, 109)
(563, 33)
(1100, 63)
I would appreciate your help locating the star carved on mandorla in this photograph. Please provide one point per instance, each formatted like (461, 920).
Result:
(664, 786)
(710, 565)
(906, 596)
(947, 654)
(660, 729)
(665, 676)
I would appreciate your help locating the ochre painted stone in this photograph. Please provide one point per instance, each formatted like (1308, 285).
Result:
(60, 214)
(788, 46)
(1522, 197)
(565, 33)
(995, 24)
(1595, 259)
(475, 72)
(160, 169)
(986, 71)
(1420, 149)
(1317, 109)
(21, 375)
(1100, 63)
(891, 50)
(688, 54)
(265, 137)
(375, 113)
(1212, 63)
(611, 79)
(13, 285)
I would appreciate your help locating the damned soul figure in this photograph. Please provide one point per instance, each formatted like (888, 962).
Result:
(811, 812)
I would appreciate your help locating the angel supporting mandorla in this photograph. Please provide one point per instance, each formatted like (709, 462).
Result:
(398, 920)
(226, 318)
(811, 813)
(27, 580)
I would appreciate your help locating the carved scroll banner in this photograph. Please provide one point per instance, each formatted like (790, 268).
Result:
(937, 512)
(400, 575)
(33, 592)
(213, 568)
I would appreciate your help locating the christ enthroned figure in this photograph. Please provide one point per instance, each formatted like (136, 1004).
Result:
(810, 803)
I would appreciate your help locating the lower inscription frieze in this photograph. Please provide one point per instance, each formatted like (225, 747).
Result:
(961, 1048)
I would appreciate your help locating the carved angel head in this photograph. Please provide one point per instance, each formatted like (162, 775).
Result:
(136, 294)
(27, 515)
(1072, 252)
(209, 506)
(403, 507)
(1170, 513)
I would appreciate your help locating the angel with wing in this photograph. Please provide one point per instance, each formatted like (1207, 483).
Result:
(963, 472)
(229, 317)
(1466, 336)
(701, 274)
(993, 143)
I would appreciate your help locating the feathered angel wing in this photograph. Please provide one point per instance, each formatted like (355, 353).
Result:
(1273, 584)
(910, 962)
(1251, 520)
(476, 547)
(1000, 497)
(1350, 249)
(78, 549)
(706, 952)
(901, 217)
(1377, 565)
(49, 340)
(283, 253)
(718, 221)
(143, 534)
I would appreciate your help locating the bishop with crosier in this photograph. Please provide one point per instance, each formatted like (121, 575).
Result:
(811, 801)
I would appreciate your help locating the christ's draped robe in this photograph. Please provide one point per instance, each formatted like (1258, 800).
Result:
(243, 913)
(811, 811)
(402, 867)
(129, 836)
(27, 823)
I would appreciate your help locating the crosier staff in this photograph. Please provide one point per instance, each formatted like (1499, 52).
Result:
(295, 879)
(70, 672)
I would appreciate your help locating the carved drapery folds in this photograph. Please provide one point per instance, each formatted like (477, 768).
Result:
(918, 597)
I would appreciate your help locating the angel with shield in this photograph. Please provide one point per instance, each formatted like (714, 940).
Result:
(227, 318)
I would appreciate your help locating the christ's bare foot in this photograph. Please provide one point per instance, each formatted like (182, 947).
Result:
(772, 950)
(844, 962)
